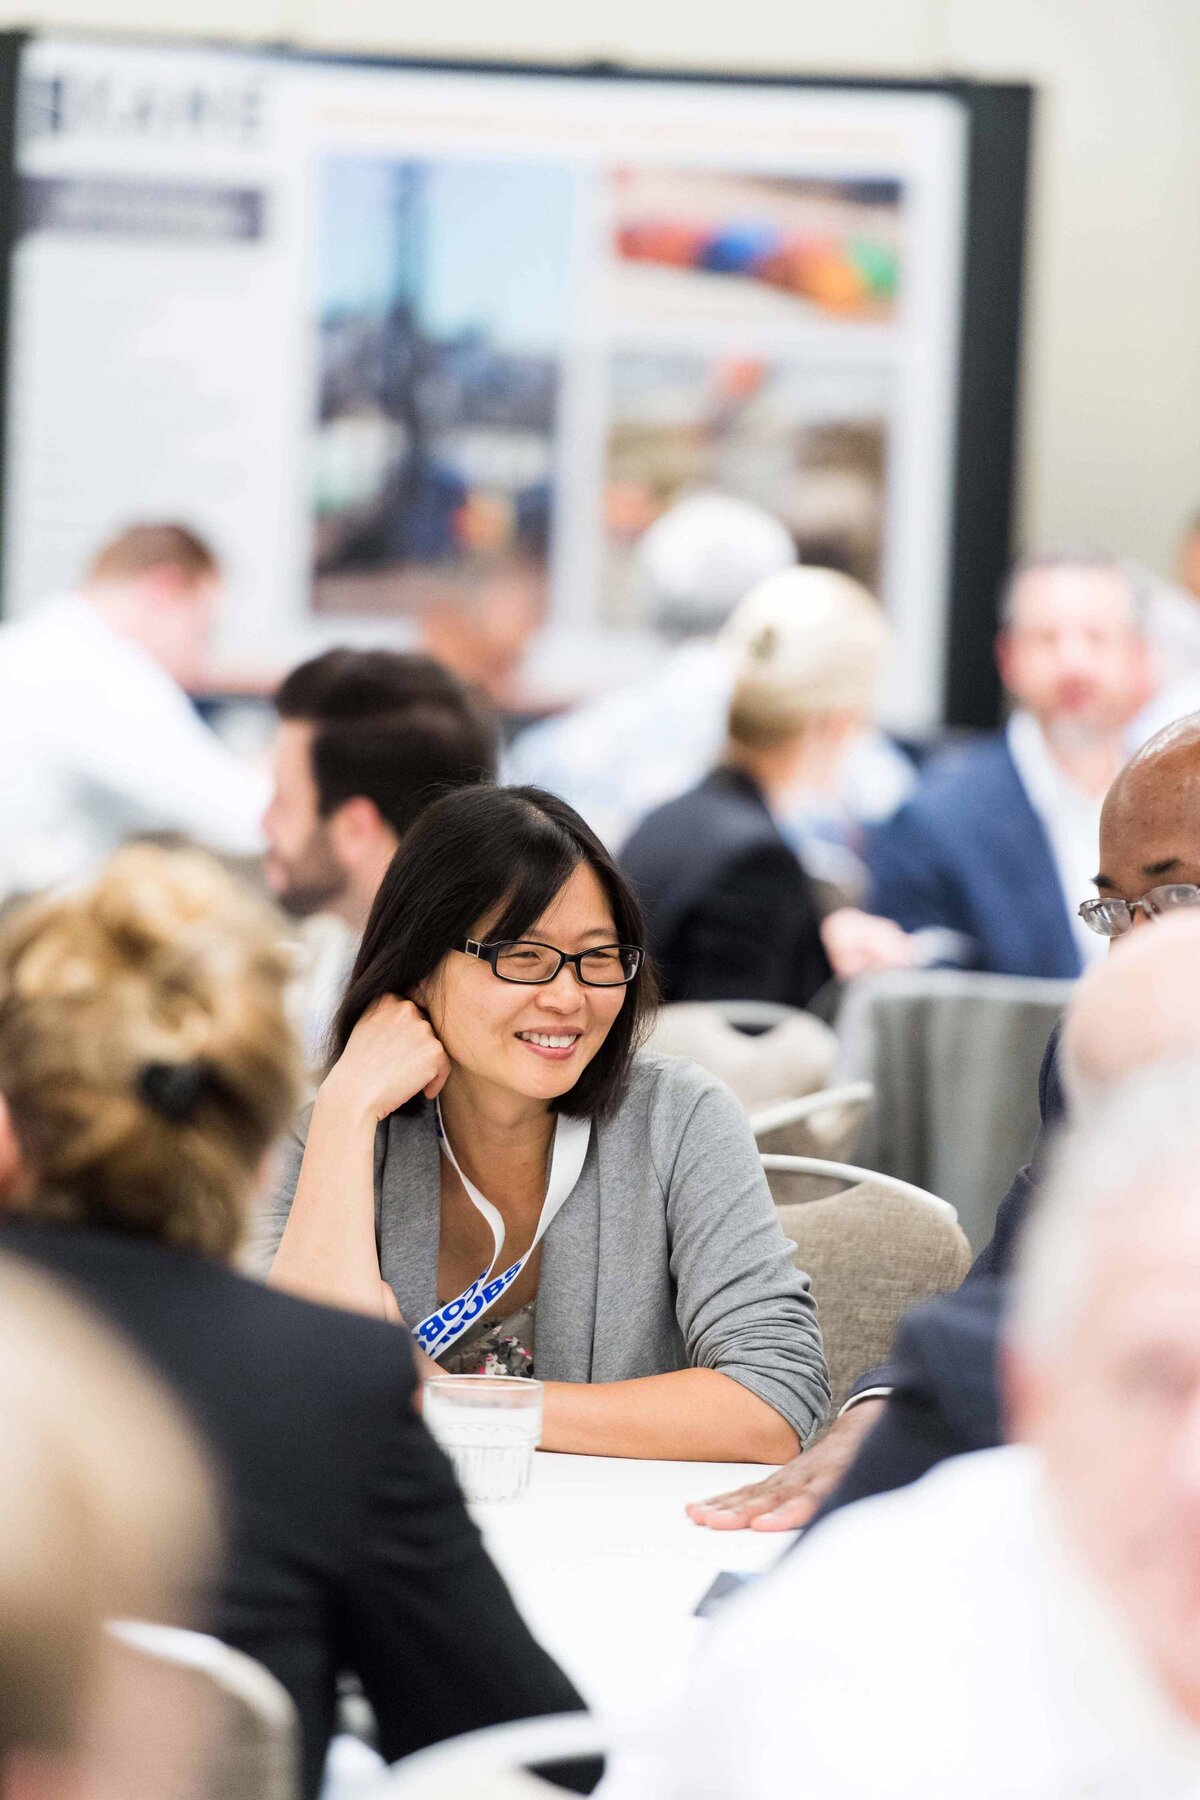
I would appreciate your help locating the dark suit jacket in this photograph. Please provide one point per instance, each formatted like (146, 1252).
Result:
(730, 913)
(945, 1397)
(996, 1258)
(350, 1546)
(968, 854)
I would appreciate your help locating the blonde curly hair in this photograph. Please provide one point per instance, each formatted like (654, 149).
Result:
(145, 1051)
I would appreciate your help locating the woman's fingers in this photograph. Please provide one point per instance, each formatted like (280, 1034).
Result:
(392, 1054)
(433, 1088)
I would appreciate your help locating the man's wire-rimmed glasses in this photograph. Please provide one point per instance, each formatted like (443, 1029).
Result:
(1113, 918)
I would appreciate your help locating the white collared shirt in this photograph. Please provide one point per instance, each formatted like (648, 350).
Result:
(939, 1642)
(99, 744)
(1070, 818)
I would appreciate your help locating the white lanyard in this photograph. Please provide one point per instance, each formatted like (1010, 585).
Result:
(446, 1324)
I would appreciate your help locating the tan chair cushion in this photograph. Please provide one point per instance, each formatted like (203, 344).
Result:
(871, 1255)
(829, 1132)
(791, 1058)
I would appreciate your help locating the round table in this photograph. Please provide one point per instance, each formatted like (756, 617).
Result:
(607, 1568)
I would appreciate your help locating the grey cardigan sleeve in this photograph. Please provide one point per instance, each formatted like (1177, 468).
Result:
(270, 1213)
(742, 1305)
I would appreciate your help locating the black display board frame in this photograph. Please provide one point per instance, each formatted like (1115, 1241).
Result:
(999, 125)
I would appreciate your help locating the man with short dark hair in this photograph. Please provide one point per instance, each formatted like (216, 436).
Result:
(366, 739)
(97, 732)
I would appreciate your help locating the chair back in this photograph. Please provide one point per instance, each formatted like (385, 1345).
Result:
(824, 1124)
(872, 1252)
(944, 1047)
(764, 1053)
(252, 1731)
(494, 1761)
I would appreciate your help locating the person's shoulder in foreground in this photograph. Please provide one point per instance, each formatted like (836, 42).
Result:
(914, 1648)
(350, 1544)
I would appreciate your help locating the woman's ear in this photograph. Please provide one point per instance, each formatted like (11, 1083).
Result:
(14, 1176)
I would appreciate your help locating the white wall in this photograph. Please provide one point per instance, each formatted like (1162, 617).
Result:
(1111, 415)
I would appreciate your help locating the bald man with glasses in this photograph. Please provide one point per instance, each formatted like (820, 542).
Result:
(938, 1397)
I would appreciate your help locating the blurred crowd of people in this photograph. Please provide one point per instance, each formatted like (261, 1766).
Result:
(197, 1276)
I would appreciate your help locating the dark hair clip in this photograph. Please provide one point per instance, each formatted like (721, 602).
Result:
(173, 1090)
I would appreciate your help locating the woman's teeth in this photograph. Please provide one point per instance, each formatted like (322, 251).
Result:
(547, 1040)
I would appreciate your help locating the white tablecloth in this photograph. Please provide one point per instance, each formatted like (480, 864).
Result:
(607, 1567)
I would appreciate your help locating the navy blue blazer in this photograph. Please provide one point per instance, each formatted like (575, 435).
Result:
(968, 854)
(943, 1373)
(945, 1400)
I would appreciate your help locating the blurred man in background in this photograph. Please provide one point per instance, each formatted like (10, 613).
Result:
(991, 855)
(366, 739)
(1023, 1620)
(96, 727)
(1189, 557)
(616, 757)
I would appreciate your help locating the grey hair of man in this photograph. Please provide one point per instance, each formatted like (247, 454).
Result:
(1142, 1151)
(1083, 558)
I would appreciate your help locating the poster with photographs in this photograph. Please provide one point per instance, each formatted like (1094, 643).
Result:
(454, 340)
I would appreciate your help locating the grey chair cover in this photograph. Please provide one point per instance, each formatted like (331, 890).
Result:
(954, 1059)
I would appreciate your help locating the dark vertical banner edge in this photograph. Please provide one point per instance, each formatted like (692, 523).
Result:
(1000, 123)
(12, 45)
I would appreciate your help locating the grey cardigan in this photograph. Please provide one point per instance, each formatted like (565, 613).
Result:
(666, 1255)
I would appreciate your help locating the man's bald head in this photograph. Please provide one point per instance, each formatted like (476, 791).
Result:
(1150, 825)
(1135, 1009)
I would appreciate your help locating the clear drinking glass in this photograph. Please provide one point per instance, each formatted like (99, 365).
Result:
(489, 1426)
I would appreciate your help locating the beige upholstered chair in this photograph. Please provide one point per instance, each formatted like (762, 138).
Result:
(824, 1124)
(872, 1251)
(252, 1733)
(764, 1053)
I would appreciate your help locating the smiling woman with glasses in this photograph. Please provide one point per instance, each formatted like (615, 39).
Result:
(492, 1158)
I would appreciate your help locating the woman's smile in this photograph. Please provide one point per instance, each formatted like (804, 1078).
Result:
(554, 1046)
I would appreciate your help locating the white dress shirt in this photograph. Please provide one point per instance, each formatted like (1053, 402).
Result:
(1070, 818)
(99, 744)
(942, 1642)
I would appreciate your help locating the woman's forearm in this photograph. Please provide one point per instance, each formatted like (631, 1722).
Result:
(327, 1251)
(691, 1415)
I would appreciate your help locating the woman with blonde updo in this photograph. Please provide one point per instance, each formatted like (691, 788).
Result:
(146, 1063)
(731, 911)
(146, 1067)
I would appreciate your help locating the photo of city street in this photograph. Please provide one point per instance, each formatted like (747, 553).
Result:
(441, 294)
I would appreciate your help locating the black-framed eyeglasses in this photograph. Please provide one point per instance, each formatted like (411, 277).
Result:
(608, 965)
(1113, 918)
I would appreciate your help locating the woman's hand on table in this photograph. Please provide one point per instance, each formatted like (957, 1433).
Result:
(792, 1495)
(391, 1055)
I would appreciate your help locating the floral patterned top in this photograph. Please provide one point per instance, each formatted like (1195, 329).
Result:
(494, 1347)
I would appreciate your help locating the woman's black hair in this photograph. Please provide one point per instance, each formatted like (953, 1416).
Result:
(476, 850)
